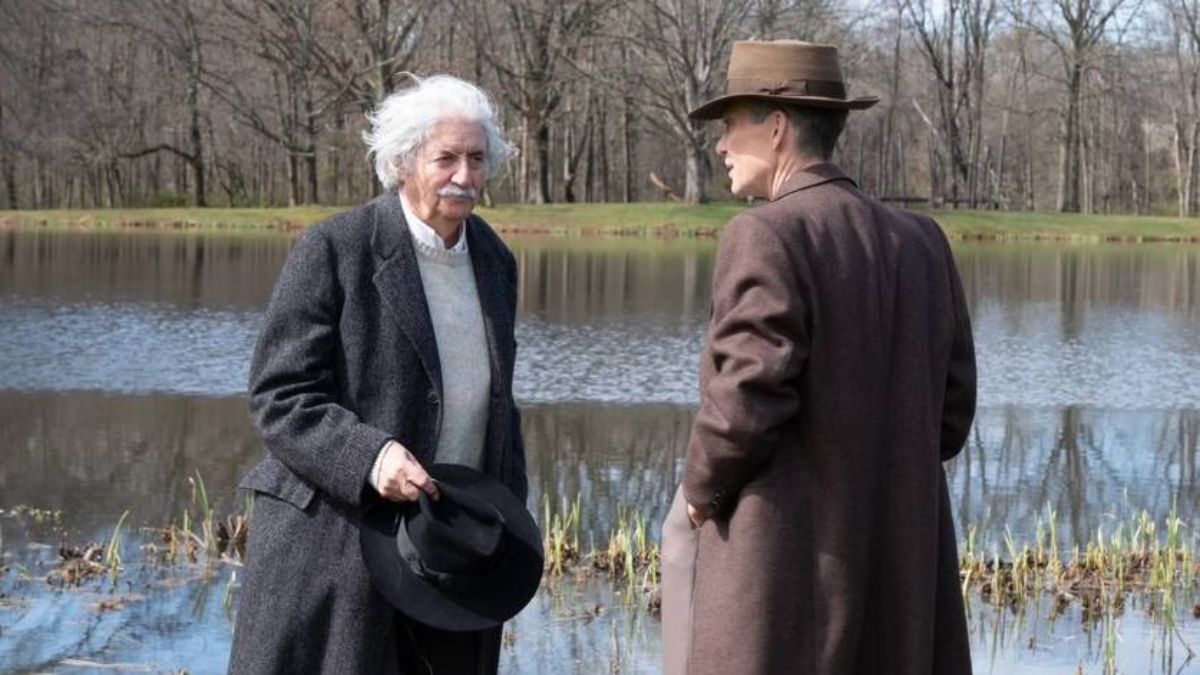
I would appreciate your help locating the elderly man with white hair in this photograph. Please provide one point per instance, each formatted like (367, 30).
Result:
(387, 345)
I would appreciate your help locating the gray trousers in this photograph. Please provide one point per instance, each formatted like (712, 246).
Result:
(678, 558)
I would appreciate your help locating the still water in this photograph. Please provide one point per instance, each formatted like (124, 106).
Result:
(123, 360)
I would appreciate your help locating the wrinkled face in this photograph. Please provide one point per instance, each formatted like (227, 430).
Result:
(443, 181)
(746, 149)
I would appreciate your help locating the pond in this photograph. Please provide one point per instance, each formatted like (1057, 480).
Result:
(122, 370)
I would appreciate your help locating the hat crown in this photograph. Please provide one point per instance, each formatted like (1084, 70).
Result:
(458, 534)
(781, 60)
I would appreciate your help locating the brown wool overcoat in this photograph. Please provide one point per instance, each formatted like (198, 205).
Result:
(838, 374)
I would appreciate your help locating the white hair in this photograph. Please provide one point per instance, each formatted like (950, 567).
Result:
(402, 122)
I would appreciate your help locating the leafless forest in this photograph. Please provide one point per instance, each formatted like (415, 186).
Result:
(1073, 105)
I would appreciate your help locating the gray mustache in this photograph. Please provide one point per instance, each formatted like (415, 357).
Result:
(456, 191)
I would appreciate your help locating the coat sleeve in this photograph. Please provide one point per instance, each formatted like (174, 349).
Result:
(293, 385)
(757, 347)
(958, 403)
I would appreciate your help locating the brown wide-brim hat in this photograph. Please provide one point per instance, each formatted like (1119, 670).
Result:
(784, 71)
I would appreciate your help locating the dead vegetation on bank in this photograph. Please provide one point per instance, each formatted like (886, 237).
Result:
(1136, 558)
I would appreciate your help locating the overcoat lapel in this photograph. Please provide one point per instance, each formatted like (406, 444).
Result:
(488, 282)
(496, 321)
(398, 280)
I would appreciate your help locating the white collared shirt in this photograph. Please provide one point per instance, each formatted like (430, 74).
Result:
(425, 234)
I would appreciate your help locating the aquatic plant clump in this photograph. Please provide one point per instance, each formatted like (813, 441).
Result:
(1154, 564)
(1140, 560)
(1136, 556)
(203, 535)
(628, 555)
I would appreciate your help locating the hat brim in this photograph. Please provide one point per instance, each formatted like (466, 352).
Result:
(452, 610)
(715, 108)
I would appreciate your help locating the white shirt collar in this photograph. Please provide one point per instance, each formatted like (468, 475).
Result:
(425, 234)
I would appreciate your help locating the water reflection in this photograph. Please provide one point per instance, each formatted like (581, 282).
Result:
(1100, 326)
(159, 621)
(123, 358)
(1033, 641)
(1083, 277)
(93, 455)
(186, 270)
(615, 282)
(1091, 467)
(96, 455)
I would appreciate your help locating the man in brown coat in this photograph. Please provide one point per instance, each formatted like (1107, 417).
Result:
(812, 533)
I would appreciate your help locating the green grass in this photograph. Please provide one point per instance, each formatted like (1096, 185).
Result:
(186, 218)
(660, 220)
(1002, 225)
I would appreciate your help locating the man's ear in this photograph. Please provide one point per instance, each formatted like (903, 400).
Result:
(779, 127)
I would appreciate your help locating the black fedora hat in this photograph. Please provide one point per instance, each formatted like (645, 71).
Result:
(469, 560)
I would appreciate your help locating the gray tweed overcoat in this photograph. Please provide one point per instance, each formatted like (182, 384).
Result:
(838, 375)
(346, 360)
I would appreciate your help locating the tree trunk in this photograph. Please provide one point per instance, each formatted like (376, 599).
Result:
(523, 164)
(696, 173)
(568, 151)
(197, 158)
(10, 183)
(628, 152)
(541, 154)
(310, 147)
(293, 164)
(589, 166)
(1193, 137)
(1182, 197)
(312, 170)
(7, 168)
(696, 170)
(602, 145)
(1070, 175)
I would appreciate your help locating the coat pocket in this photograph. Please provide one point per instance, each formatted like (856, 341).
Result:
(273, 478)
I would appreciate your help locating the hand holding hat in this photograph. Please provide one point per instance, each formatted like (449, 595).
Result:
(467, 561)
(398, 476)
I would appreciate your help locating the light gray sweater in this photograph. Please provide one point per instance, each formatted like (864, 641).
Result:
(453, 300)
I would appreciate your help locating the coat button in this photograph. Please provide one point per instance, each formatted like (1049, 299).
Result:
(431, 396)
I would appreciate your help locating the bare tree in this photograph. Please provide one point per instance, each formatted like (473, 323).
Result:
(1076, 29)
(175, 27)
(1184, 21)
(132, 102)
(681, 46)
(953, 41)
(535, 40)
(282, 35)
(386, 37)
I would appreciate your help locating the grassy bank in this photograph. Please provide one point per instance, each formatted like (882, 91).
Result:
(654, 219)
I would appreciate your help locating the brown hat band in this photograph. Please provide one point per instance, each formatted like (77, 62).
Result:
(823, 88)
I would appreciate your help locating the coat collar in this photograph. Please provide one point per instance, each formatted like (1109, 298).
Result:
(817, 174)
(398, 280)
(390, 233)
(494, 303)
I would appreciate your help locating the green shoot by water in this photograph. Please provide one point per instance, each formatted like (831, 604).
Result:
(112, 553)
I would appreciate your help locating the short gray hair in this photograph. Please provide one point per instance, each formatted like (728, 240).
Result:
(817, 129)
(402, 122)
